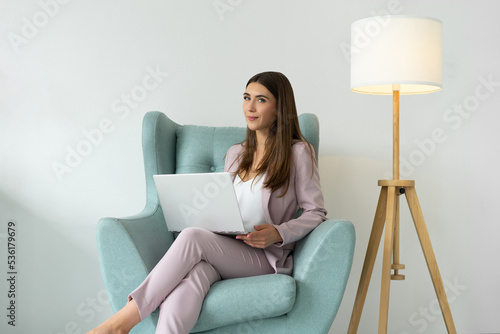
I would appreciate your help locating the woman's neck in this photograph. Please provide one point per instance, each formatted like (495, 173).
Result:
(261, 138)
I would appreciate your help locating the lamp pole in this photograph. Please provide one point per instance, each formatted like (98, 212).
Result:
(395, 132)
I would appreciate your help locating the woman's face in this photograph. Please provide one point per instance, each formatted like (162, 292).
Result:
(259, 107)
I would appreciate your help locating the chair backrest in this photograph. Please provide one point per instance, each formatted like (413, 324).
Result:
(172, 148)
(202, 149)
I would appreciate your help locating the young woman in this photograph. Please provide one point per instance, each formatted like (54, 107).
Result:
(275, 173)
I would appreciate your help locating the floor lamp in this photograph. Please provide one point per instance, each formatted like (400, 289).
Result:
(396, 55)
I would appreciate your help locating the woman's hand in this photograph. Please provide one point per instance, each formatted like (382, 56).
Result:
(264, 236)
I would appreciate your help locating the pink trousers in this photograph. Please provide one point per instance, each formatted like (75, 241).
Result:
(181, 280)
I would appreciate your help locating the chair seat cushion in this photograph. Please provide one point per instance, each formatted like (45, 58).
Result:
(251, 298)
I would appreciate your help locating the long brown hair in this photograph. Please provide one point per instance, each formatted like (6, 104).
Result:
(283, 133)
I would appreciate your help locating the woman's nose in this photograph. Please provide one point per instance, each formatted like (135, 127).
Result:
(250, 106)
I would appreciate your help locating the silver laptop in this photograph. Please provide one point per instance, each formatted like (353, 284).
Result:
(204, 200)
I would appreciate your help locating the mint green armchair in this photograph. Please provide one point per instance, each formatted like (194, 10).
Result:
(129, 248)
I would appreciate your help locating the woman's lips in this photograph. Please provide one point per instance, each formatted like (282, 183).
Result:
(252, 118)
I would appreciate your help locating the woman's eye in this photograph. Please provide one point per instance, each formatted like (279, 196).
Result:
(246, 98)
(262, 100)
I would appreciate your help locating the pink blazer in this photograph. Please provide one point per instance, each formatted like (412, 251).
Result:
(304, 192)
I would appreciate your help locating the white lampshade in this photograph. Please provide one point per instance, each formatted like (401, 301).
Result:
(387, 51)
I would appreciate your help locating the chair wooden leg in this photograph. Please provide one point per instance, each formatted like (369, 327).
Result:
(371, 254)
(430, 258)
(387, 260)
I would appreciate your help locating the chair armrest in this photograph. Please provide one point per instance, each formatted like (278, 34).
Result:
(322, 264)
(128, 250)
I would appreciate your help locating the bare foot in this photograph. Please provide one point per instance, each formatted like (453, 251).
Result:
(108, 327)
(120, 323)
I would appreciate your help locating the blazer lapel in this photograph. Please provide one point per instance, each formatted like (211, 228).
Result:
(266, 197)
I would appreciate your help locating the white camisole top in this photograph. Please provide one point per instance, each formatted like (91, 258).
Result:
(249, 195)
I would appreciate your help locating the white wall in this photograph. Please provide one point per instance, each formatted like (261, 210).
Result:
(70, 67)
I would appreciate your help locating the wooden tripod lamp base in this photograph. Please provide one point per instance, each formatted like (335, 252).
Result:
(387, 214)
